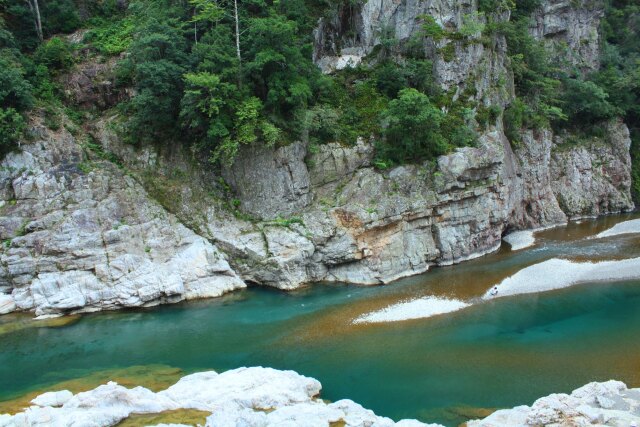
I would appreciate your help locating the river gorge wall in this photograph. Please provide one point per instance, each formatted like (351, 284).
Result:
(81, 233)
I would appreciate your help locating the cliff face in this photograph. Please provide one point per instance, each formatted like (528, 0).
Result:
(81, 233)
(569, 30)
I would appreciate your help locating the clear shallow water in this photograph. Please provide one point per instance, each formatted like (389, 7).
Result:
(497, 354)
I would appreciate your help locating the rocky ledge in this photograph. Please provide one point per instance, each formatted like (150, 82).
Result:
(262, 397)
(79, 234)
(609, 403)
(241, 397)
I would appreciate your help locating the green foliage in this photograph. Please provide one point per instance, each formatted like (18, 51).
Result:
(15, 96)
(514, 120)
(586, 102)
(487, 116)
(431, 28)
(111, 37)
(322, 123)
(12, 125)
(247, 128)
(495, 6)
(206, 10)
(157, 63)
(15, 90)
(287, 222)
(472, 24)
(54, 54)
(59, 16)
(276, 68)
(390, 79)
(413, 130)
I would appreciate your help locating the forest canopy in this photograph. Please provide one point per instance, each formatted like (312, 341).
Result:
(218, 74)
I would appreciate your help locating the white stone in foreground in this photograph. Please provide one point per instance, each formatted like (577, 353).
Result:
(520, 239)
(625, 227)
(257, 388)
(53, 398)
(248, 397)
(561, 273)
(609, 403)
(416, 309)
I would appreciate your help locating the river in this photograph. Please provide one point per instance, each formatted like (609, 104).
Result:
(493, 354)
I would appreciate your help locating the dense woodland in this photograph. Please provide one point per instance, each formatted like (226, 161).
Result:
(217, 74)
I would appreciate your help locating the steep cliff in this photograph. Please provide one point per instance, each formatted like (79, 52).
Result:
(82, 234)
(79, 234)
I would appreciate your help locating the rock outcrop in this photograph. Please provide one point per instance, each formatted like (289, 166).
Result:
(609, 403)
(81, 235)
(264, 397)
(251, 397)
(594, 177)
(569, 29)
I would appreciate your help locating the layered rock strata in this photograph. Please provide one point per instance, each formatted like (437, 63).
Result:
(80, 234)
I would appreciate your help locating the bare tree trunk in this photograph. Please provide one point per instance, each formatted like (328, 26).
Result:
(235, 13)
(35, 11)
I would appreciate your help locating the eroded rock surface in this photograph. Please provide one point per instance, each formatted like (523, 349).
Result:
(593, 178)
(78, 237)
(251, 397)
(264, 397)
(82, 235)
(609, 403)
(569, 29)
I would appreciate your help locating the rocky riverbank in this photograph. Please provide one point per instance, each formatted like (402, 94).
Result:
(89, 222)
(261, 397)
(608, 403)
(241, 397)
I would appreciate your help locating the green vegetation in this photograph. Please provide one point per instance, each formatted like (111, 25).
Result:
(111, 37)
(413, 128)
(571, 98)
(218, 75)
(619, 75)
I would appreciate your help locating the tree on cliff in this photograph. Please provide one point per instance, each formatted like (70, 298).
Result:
(413, 129)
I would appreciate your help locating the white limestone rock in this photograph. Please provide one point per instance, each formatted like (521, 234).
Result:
(414, 309)
(87, 241)
(250, 397)
(258, 388)
(520, 239)
(53, 398)
(7, 304)
(609, 403)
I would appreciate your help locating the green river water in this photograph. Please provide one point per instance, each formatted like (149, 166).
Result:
(443, 369)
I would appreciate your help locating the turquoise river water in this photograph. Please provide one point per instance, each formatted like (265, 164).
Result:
(443, 369)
